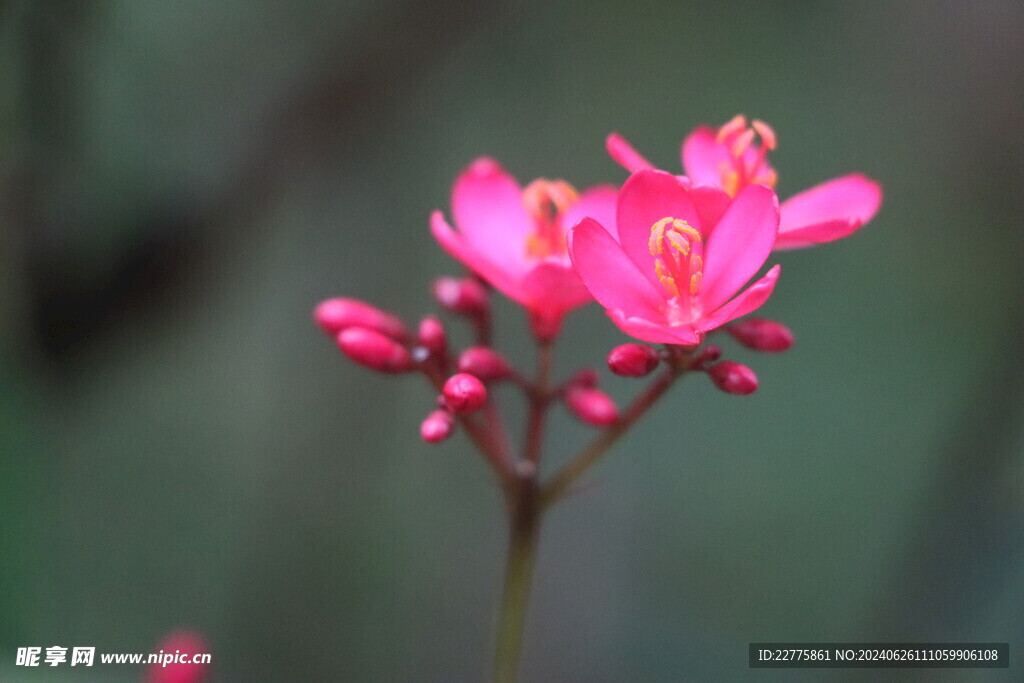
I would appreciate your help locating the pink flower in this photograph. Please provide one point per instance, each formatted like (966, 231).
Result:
(515, 238)
(731, 158)
(671, 275)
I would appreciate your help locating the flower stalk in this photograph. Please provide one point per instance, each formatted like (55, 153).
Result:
(524, 531)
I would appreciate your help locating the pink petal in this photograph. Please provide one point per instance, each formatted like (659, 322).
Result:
(828, 211)
(553, 288)
(597, 203)
(747, 301)
(739, 244)
(459, 247)
(817, 233)
(612, 278)
(487, 206)
(646, 198)
(655, 333)
(711, 202)
(704, 157)
(623, 153)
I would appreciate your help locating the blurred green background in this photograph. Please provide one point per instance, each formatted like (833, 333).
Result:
(181, 182)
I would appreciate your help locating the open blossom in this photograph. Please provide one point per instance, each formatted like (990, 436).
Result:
(736, 155)
(679, 260)
(514, 237)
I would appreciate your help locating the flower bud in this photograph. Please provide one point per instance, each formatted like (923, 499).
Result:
(484, 363)
(464, 393)
(432, 337)
(587, 377)
(465, 295)
(762, 335)
(335, 315)
(438, 426)
(591, 405)
(710, 354)
(733, 378)
(632, 360)
(374, 350)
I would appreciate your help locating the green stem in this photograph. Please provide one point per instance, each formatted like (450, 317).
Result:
(524, 528)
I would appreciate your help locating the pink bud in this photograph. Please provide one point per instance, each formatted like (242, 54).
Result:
(587, 377)
(762, 335)
(484, 363)
(335, 315)
(464, 295)
(438, 426)
(183, 645)
(464, 393)
(432, 337)
(733, 378)
(591, 405)
(710, 354)
(632, 360)
(374, 350)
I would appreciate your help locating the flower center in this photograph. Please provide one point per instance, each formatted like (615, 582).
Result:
(678, 250)
(748, 162)
(545, 201)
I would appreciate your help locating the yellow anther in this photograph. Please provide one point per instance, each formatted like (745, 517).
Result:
(657, 232)
(677, 246)
(666, 280)
(678, 242)
(544, 199)
(562, 195)
(695, 281)
(740, 145)
(766, 132)
(685, 228)
(735, 125)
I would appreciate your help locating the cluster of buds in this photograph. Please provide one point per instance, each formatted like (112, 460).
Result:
(758, 334)
(380, 341)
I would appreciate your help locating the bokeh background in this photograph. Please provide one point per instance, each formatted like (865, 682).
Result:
(181, 182)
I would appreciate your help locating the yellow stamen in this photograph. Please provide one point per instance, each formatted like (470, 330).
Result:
(735, 125)
(657, 232)
(742, 143)
(766, 132)
(695, 281)
(686, 229)
(677, 247)
(666, 280)
(562, 195)
(678, 242)
(545, 201)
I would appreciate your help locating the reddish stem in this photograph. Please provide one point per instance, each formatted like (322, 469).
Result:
(540, 399)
